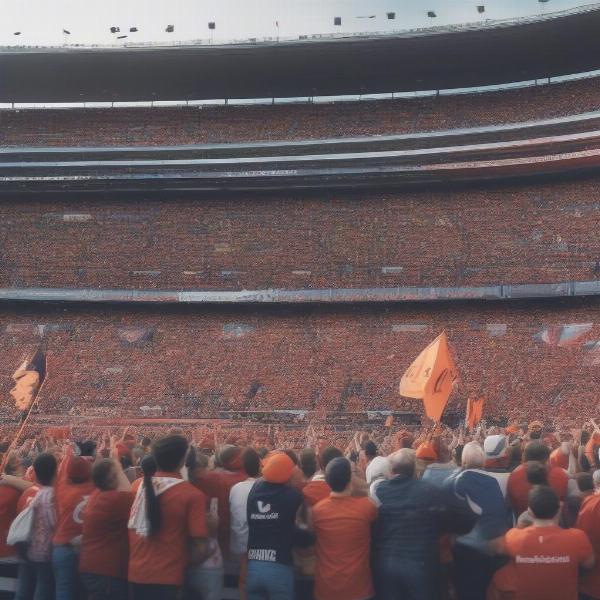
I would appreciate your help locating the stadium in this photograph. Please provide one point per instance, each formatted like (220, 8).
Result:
(246, 220)
(281, 259)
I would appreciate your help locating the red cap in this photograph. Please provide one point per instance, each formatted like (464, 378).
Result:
(277, 467)
(426, 451)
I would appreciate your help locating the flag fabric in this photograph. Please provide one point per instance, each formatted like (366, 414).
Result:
(27, 383)
(28, 378)
(474, 412)
(431, 377)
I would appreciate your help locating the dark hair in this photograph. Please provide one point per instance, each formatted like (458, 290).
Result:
(262, 452)
(169, 453)
(251, 462)
(585, 482)
(45, 467)
(146, 441)
(87, 448)
(543, 502)
(353, 456)
(584, 463)
(458, 454)
(370, 448)
(126, 461)
(101, 474)
(536, 473)
(584, 438)
(536, 434)
(338, 474)
(293, 456)
(536, 451)
(308, 462)
(148, 465)
(329, 454)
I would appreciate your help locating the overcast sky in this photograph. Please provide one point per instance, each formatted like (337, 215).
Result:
(89, 22)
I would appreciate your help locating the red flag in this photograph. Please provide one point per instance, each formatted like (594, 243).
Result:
(474, 412)
(431, 377)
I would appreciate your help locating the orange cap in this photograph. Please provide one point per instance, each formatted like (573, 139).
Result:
(559, 459)
(426, 451)
(277, 467)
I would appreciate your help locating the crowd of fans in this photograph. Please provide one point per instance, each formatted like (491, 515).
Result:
(172, 126)
(496, 514)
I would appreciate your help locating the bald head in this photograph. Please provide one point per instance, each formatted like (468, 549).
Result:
(402, 462)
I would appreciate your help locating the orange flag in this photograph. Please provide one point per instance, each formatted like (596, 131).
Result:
(431, 377)
(28, 378)
(474, 412)
(27, 383)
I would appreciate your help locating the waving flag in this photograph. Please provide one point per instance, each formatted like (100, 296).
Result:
(28, 378)
(474, 412)
(431, 377)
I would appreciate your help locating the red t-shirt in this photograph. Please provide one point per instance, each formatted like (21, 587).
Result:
(8, 511)
(547, 561)
(105, 547)
(27, 496)
(342, 526)
(71, 499)
(519, 487)
(589, 521)
(227, 479)
(315, 491)
(162, 558)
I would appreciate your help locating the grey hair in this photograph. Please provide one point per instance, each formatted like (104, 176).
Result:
(473, 456)
(403, 461)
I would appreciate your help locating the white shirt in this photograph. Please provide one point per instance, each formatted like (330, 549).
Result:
(238, 501)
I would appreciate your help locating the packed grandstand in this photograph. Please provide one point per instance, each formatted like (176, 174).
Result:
(232, 292)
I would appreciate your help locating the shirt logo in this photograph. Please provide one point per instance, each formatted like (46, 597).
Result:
(77, 517)
(263, 508)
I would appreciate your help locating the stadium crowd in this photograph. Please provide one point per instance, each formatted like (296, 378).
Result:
(496, 513)
(217, 124)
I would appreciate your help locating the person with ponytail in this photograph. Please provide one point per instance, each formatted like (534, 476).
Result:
(167, 524)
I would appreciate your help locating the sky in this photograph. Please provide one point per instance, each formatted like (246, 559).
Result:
(141, 22)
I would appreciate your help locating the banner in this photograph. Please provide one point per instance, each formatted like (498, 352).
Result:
(431, 377)
(474, 412)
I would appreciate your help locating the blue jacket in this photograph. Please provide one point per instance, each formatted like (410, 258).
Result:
(412, 516)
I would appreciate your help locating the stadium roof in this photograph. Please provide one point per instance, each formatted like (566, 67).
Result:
(365, 54)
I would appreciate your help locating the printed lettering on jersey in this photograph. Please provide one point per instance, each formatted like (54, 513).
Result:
(542, 560)
(262, 554)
